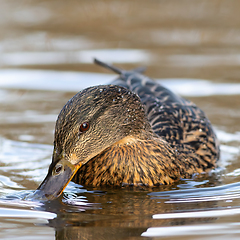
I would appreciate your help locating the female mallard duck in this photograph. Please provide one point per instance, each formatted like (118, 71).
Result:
(133, 132)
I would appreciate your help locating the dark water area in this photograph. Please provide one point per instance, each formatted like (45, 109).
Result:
(46, 57)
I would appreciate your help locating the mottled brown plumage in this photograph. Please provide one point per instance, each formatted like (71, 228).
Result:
(133, 132)
(149, 135)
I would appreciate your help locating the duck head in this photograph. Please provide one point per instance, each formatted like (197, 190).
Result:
(90, 122)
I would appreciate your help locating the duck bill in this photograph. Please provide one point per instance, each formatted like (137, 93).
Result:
(53, 185)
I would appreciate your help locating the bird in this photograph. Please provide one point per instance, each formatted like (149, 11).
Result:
(131, 132)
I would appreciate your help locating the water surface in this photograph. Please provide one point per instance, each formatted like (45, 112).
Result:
(46, 57)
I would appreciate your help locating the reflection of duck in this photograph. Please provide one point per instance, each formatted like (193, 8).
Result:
(123, 214)
(134, 131)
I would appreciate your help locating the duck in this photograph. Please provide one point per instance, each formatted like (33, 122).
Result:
(131, 132)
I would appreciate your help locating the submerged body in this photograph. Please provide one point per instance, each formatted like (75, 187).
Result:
(134, 132)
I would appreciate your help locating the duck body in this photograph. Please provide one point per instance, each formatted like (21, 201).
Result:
(131, 132)
(179, 143)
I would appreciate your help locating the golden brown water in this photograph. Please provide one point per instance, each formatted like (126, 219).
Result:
(46, 52)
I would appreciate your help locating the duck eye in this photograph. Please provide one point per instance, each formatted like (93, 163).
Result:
(84, 127)
(58, 169)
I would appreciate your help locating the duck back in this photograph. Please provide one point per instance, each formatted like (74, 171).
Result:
(173, 118)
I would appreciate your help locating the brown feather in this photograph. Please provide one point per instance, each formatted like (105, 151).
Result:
(140, 134)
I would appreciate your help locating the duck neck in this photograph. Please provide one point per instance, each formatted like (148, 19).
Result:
(142, 160)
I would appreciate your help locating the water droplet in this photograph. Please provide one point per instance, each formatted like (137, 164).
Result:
(100, 90)
(114, 99)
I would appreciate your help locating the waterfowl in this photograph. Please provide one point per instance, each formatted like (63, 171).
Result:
(131, 132)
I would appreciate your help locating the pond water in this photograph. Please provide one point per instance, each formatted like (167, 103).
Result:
(47, 48)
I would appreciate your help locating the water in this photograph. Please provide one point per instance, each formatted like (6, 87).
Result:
(46, 57)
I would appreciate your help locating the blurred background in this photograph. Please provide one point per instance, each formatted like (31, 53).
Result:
(174, 39)
(197, 39)
(46, 56)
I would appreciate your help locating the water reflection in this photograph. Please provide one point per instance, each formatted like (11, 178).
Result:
(119, 215)
(114, 214)
(124, 214)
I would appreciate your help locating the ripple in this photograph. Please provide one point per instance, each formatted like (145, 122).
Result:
(82, 56)
(199, 214)
(75, 81)
(60, 81)
(13, 155)
(227, 137)
(19, 203)
(187, 87)
(224, 192)
(20, 213)
(195, 230)
(7, 182)
(228, 154)
(27, 117)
